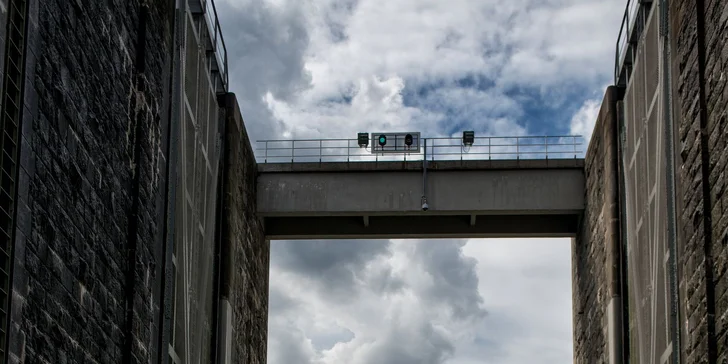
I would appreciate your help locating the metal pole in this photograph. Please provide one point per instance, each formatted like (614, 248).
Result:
(424, 174)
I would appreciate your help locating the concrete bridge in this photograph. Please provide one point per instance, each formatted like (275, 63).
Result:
(466, 199)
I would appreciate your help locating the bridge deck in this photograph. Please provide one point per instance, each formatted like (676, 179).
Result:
(466, 199)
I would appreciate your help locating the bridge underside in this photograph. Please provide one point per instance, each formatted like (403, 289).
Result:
(417, 227)
(467, 199)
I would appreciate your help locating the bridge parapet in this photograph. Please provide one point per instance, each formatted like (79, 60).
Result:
(434, 149)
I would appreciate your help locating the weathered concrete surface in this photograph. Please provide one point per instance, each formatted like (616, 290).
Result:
(245, 252)
(595, 250)
(466, 192)
(92, 176)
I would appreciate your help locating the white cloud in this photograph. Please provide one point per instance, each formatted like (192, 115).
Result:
(582, 123)
(438, 313)
(331, 68)
(303, 59)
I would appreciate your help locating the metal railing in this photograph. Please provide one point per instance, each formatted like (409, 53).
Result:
(633, 23)
(435, 149)
(217, 40)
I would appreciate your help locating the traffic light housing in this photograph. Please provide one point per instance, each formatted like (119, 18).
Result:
(407, 142)
(382, 140)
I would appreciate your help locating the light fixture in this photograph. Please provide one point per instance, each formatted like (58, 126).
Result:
(362, 139)
(468, 138)
(408, 140)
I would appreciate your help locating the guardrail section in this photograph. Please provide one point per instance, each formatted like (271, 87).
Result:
(434, 149)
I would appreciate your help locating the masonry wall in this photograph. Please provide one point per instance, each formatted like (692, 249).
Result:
(595, 250)
(699, 60)
(91, 182)
(245, 252)
(716, 110)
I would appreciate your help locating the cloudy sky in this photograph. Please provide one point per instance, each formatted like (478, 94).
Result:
(331, 68)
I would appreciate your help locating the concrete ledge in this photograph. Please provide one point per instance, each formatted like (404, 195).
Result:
(415, 227)
(417, 165)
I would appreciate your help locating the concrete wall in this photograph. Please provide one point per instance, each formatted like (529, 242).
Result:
(92, 180)
(595, 250)
(245, 252)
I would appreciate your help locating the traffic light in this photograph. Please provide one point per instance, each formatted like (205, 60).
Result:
(408, 140)
(363, 139)
(382, 140)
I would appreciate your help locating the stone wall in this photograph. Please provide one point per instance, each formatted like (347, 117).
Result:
(245, 271)
(699, 61)
(595, 270)
(91, 182)
(715, 78)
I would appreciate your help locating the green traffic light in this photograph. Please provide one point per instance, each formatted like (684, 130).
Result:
(382, 140)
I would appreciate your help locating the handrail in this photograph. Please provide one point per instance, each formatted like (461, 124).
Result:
(438, 149)
(218, 41)
(628, 33)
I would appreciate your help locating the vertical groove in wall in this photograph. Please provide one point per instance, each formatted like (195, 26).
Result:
(705, 171)
(11, 118)
(132, 232)
(670, 179)
(169, 206)
(219, 236)
(622, 212)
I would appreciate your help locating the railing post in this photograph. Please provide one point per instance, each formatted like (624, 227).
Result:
(293, 148)
(266, 151)
(546, 143)
(490, 151)
(320, 149)
(347, 150)
(518, 149)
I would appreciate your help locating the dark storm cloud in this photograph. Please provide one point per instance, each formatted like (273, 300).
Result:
(333, 264)
(454, 276)
(266, 47)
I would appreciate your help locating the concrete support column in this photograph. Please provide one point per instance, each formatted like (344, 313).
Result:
(610, 216)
